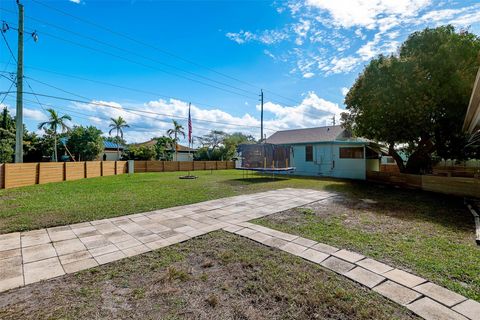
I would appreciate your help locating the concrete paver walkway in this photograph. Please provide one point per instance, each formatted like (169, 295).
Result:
(32, 256)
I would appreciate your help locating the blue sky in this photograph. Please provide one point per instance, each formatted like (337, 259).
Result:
(305, 54)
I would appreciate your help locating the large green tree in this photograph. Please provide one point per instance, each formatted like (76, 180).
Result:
(53, 124)
(417, 99)
(163, 147)
(218, 145)
(85, 143)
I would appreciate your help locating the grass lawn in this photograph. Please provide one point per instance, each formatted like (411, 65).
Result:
(216, 276)
(68, 202)
(430, 235)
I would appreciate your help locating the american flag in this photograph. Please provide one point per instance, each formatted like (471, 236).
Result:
(189, 125)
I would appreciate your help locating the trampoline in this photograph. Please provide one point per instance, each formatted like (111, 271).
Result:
(264, 159)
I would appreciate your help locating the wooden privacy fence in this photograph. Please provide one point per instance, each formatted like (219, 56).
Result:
(14, 175)
(459, 186)
(169, 166)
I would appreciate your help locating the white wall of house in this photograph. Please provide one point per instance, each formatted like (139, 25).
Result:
(111, 155)
(181, 156)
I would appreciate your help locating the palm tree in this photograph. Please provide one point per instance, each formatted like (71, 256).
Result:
(118, 124)
(53, 124)
(175, 132)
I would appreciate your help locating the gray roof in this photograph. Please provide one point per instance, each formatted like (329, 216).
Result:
(310, 135)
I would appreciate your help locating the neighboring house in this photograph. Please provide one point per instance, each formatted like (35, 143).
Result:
(328, 151)
(183, 153)
(110, 151)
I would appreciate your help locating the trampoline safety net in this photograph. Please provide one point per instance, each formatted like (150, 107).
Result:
(263, 156)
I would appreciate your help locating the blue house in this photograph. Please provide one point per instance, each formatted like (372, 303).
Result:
(328, 151)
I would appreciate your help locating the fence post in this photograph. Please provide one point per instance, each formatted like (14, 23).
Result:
(131, 166)
(65, 171)
(37, 171)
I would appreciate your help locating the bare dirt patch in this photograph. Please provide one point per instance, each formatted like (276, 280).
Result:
(216, 276)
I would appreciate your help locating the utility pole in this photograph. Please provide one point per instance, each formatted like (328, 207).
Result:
(261, 116)
(19, 113)
(333, 120)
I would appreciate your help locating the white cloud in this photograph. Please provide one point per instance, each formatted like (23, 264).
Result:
(312, 111)
(33, 114)
(308, 75)
(365, 13)
(341, 65)
(268, 53)
(266, 37)
(360, 34)
(344, 91)
(153, 118)
(75, 1)
(338, 36)
(301, 30)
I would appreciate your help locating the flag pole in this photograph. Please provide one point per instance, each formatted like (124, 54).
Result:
(189, 134)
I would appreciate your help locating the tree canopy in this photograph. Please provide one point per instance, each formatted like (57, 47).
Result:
(218, 145)
(85, 143)
(417, 98)
(140, 153)
(55, 122)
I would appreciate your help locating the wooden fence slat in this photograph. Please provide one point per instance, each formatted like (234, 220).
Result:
(459, 186)
(74, 170)
(210, 165)
(122, 167)
(93, 169)
(50, 172)
(20, 174)
(185, 165)
(108, 168)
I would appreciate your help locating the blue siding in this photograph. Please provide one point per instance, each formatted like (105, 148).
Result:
(326, 161)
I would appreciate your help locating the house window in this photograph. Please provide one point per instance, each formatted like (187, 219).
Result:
(389, 160)
(309, 153)
(351, 153)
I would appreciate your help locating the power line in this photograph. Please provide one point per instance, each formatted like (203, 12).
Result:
(197, 127)
(8, 46)
(149, 66)
(134, 53)
(115, 85)
(136, 110)
(144, 64)
(141, 90)
(15, 59)
(145, 44)
(6, 94)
